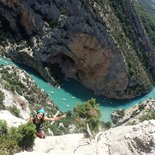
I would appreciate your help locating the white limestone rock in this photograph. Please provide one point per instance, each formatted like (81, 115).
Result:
(12, 121)
(123, 140)
(19, 101)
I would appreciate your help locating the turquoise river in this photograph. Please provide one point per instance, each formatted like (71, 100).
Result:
(73, 92)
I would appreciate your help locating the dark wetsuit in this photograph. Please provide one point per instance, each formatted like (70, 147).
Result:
(38, 125)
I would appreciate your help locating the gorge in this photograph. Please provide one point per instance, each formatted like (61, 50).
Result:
(90, 45)
(55, 54)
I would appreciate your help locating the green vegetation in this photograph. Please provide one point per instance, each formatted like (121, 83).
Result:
(53, 24)
(88, 113)
(148, 116)
(125, 13)
(1, 34)
(137, 56)
(148, 20)
(62, 126)
(120, 113)
(16, 139)
(28, 135)
(141, 106)
(2, 97)
(13, 109)
(106, 125)
(119, 19)
(135, 112)
(23, 85)
(84, 114)
(3, 128)
(12, 82)
(117, 115)
(132, 122)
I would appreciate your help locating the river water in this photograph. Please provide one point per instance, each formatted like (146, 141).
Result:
(72, 92)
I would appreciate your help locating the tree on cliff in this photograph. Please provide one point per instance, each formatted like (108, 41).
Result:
(88, 114)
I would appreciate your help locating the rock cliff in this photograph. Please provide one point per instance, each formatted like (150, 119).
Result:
(131, 140)
(84, 40)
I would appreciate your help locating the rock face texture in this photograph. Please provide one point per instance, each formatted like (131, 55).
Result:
(79, 39)
(17, 89)
(12, 121)
(130, 140)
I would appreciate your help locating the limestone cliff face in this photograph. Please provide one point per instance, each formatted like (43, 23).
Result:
(131, 140)
(84, 39)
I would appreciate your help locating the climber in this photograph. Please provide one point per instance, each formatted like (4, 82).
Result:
(40, 118)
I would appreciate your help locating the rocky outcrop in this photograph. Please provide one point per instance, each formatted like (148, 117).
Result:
(131, 140)
(12, 121)
(18, 89)
(135, 114)
(83, 40)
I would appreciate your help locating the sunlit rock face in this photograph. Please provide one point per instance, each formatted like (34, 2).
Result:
(79, 39)
(138, 139)
(97, 67)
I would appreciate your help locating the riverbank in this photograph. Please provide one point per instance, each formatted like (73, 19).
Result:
(72, 92)
(136, 114)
